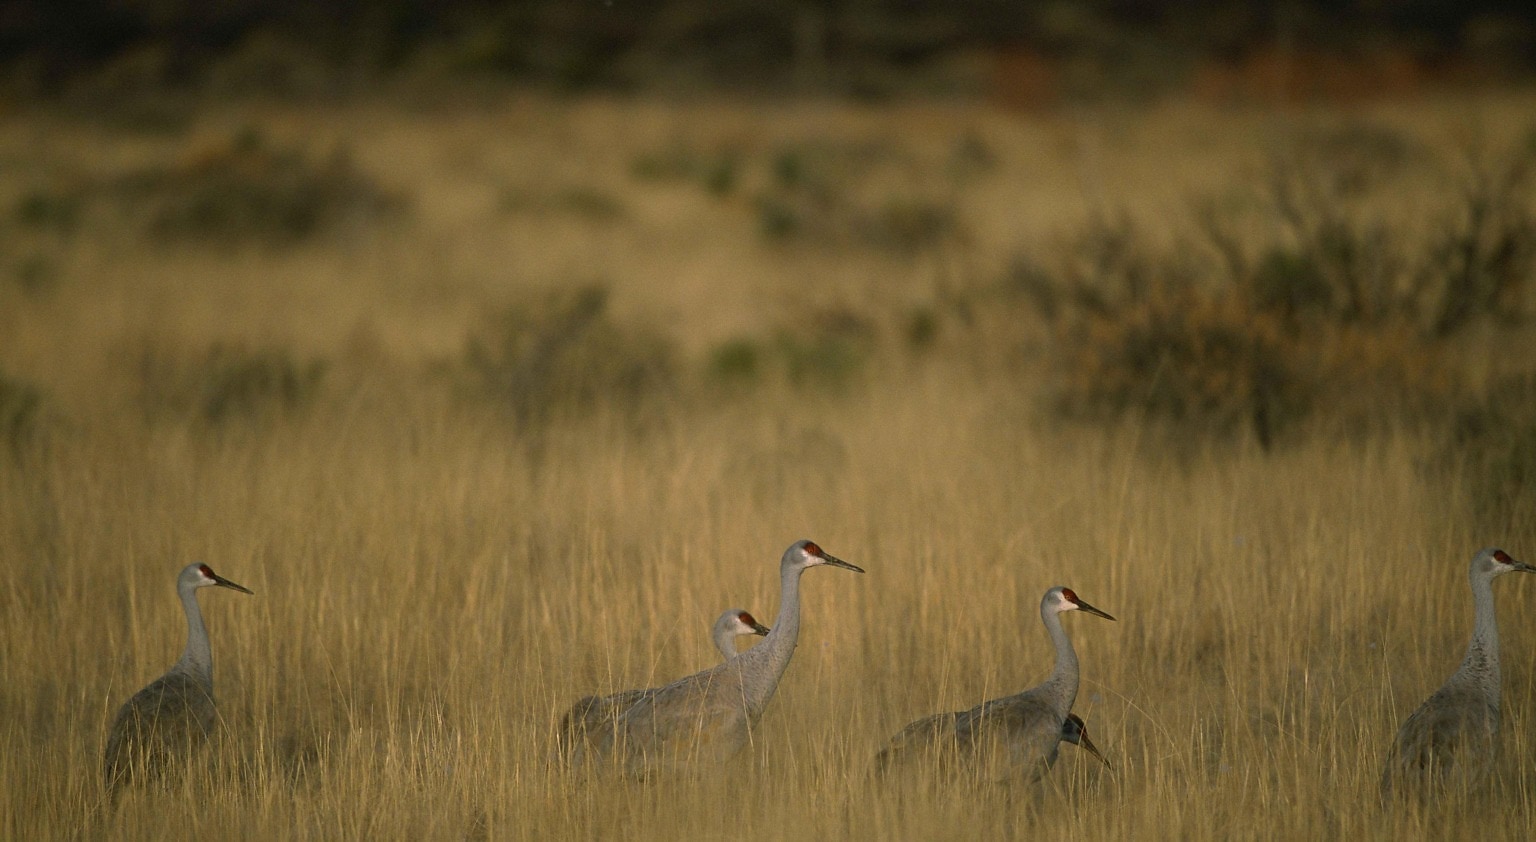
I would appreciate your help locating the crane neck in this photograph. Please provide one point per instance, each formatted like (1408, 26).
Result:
(1060, 688)
(1481, 664)
(725, 641)
(786, 627)
(197, 659)
(763, 665)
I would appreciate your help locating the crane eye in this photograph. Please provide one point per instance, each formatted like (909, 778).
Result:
(812, 549)
(746, 618)
(1069, 596)
(205, 570)
(1501, 557)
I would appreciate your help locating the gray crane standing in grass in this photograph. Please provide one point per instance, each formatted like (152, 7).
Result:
(161, 724)
(940, 725)
(1015, 736)
(1449, 742)
(710, 715)
(583, 725)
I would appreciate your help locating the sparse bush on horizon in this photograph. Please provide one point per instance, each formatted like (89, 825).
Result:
(1343, 314)
(1492, 443)
(20, 408)
(247, 188)
(231, 189)
(547, 356)
(226, 384)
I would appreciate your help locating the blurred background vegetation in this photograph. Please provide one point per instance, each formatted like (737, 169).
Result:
(1343, 272)
(864, 48)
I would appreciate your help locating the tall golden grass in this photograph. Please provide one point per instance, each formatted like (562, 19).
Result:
(436, 582)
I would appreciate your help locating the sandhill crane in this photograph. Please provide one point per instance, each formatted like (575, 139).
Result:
(583, 725)
(1450, 741)
(710, 715)
(163, 722)
(1015, 736)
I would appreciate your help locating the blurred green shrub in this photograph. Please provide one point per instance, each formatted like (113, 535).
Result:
(1204, 363)
(830, 360)
(1349, 259)
(47, 209)
(582, 202)
(1481, 258)
(1491, 442)
(920, 328)
(826, 347)
(1289, 282)
(777, 219)
(1212, 347)
(813, 196)
(243, 188)
(811, 192)
(820, 348)
(36, 273)
(227, 384)
(1357, 265)
(564, 353)
(20, 411)
(1341, 308)
(736, 362)
(1353, 157)
(717, 171)
(909, 225)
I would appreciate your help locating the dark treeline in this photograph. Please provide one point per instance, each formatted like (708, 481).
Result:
(47, 45)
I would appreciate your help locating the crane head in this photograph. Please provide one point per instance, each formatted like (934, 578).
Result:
(1495, 562)
(1062, 599)
(200, 575)
(1075, 731)
(747, 624)
(737, 622)
(803, 554)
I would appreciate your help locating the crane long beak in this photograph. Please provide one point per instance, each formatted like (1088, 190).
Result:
(1523, 567)
(1084, 743)
(759, 628)
(225, 583)
(1083, 606)
(837, 562)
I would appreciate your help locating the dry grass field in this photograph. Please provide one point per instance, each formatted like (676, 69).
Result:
(457, 518)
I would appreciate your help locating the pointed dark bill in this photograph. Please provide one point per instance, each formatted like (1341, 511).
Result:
(225, 583)
(1084, 743)
(833, 560)
(1083, 606)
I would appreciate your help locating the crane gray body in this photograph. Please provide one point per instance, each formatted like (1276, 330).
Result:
(1011, 738)
(584, 724)
(159, 726)
(711, 715)
(1451, 741)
